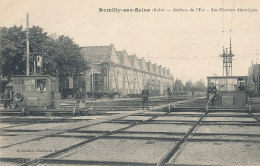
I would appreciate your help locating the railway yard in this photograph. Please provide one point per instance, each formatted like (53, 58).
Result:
(175, 131)
(158, 97)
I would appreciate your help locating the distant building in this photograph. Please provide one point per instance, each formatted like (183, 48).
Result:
(253, 84)
(117, 72)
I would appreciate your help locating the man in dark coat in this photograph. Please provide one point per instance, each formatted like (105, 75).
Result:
(241, 87)
(145, 96)
(212, 91)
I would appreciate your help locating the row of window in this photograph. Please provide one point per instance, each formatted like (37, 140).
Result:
(29, 85)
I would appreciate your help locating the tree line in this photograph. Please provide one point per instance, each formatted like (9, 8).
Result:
(189, 86)
(61, 55)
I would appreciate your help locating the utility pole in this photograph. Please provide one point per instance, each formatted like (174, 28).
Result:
(227, 60)
(92, 85)
(27, 46)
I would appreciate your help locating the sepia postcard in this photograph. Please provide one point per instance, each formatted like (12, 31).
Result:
(136, 82)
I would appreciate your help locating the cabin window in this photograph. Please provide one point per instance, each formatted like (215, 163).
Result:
(20, 81)
(229, 84)
(39, 82)
(241, 86)
(29, 84)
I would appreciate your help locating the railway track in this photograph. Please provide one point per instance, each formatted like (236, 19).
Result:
(185, 136)
(101, 106)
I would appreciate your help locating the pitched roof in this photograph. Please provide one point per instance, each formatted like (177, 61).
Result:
(149, 67)
(164, 71)
(167, 73)
(100, 54)
(134, 62)
(142, 65)
(103, 54)
(123, 58)
(160, 69)
(155, 69)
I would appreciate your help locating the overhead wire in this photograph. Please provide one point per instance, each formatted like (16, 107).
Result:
(209, 57)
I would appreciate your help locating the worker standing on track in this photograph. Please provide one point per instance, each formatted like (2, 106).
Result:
(212, 91)
(145, 96)
(81, 97)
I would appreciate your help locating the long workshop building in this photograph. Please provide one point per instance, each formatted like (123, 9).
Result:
(117, 72)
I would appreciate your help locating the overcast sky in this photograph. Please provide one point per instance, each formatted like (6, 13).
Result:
(188, 43)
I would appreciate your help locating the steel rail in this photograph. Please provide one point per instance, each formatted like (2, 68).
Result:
(225, 121)
(152, 132)
(35, 121)
(171, 114)
(75, 146)
(16, 160)
(7, 146)
(235, 116)
(154, 122)
(45, 136)
(170, 164)
(141, 138)
(255, 117)
(93, 162)
(65, 150)
(85, 142)
(222, 140)
(7, 127)
(171, 122)
(208, 123)
(174, 150)
(227, 134)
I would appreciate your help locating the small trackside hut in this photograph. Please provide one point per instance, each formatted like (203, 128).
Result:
(231, 91)
(35, 91)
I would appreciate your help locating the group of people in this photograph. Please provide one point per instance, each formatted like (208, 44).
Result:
(212, 94)
(212, 91)
(7, 98)
(80, 95)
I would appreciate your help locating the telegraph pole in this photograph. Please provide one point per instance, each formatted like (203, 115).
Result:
(92, 85)
(227, 60)
(27, 46)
